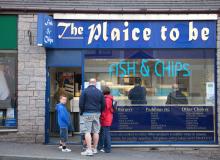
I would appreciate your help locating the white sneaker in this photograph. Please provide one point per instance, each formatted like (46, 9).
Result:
(66, 150)
(102, 150)
(94, 151)
(60, 147)
(87, 152)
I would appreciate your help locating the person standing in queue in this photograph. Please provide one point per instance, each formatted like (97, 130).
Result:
(64, 122)
(106, 122)
(91, 104)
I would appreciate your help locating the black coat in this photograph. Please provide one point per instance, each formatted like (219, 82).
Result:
(91, 100)
(176, 97)
(137, 95)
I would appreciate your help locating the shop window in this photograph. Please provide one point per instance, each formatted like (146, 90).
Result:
(8, 94)
(155, 77)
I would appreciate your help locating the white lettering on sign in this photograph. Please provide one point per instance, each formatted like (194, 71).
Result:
(205, 34)
(74, 31)
(115, 34)
(146, 34)
(48, 22)
(194, 33)
(173, 35)
(163, 33)
(135, 33)
(48, 37)
(95, 32)
(126, 36)
(101, 31)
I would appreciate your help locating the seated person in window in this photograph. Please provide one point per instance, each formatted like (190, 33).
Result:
(176, 96)
(137, 95)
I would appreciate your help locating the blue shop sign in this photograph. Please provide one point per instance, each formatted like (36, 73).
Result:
(53, 33)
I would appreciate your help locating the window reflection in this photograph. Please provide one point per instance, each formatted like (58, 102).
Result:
(154, 79)
(7, 90)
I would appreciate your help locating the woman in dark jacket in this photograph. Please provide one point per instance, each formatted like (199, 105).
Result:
(106, 122)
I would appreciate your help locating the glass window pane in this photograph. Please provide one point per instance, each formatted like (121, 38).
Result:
(158, 77)
(8, 97)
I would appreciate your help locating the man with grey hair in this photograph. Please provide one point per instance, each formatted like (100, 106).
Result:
(91, 105)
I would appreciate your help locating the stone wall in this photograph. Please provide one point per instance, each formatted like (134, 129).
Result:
(218, 77)
(31, 84)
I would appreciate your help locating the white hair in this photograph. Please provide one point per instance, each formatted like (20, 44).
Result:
(92, 81)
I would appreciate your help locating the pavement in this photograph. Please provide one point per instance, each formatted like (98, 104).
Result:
(15, 151)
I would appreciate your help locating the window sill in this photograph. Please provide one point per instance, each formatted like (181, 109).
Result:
(8, 130)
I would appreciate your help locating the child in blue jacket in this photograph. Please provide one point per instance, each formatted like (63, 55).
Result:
(64, 122)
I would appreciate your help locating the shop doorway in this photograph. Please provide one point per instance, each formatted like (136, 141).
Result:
(66, 80)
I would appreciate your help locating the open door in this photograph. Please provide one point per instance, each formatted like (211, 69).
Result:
(63, 80)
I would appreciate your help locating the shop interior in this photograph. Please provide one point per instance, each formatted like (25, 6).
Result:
(68, 81)
(8, 94)
(196, 81)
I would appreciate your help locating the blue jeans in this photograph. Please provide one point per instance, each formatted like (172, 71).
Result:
(63, 134)
(105, 139)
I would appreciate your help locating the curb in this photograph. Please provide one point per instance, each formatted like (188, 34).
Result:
(14, 157)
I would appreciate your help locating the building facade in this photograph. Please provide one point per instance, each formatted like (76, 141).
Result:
(35, 70)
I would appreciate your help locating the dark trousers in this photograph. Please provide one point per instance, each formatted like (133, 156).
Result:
(105, 139)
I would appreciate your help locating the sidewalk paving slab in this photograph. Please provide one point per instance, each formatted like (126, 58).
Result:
(15, 151)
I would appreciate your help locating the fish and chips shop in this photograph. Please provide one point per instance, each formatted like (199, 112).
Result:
(171, 57)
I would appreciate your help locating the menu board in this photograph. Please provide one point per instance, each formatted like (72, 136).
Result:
(164, 124)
